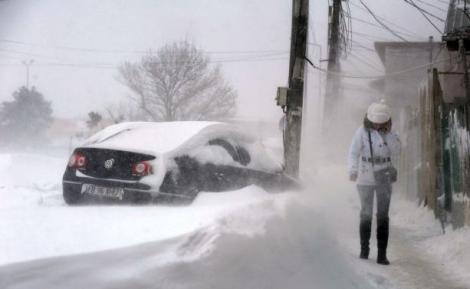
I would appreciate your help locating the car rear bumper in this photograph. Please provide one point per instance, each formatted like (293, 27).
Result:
(132, 190)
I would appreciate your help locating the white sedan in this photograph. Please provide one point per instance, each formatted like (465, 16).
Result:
(145, 161)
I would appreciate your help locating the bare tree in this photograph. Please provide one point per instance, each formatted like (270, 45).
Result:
(179, 83)
(124, 111)
(94, 118)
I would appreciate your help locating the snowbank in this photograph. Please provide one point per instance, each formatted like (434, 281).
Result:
(277, 243)
(36, 223)
(451, 249)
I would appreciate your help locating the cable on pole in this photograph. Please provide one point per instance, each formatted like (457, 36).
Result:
(344, 75)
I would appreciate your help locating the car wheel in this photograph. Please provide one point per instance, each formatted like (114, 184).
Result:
(178, 189)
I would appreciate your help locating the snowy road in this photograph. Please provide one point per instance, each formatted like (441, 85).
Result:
(421, 256)
(242, 239)
(415, 269)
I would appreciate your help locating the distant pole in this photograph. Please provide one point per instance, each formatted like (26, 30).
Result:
(294, 105)
(27, 64)
(431, 48)
(332, 82)
(466, 80)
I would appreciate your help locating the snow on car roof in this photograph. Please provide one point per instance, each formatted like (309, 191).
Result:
(150, 137)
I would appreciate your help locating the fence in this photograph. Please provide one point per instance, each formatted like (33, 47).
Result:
(444, 170)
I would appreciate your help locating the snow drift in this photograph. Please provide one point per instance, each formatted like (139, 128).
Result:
(278, 243)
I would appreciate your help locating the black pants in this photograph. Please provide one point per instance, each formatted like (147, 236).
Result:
(366, 194)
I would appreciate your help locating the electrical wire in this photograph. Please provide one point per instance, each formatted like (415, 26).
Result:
(350, 24)
(375, 59)
(424, 15)
(382, 23)
(432, 5)
(365, 62)
(54, 61)
(358, 45)
(344, 75)
(403, 29)
(370, 36)
(345, 31)
(114, 66)
(117, 51)
(410, 2)
(381, 27)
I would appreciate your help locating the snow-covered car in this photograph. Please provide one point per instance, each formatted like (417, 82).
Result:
(144, 161)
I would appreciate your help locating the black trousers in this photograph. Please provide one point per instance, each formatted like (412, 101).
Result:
(383, 193)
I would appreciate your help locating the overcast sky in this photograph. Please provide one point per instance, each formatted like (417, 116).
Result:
(76, 45)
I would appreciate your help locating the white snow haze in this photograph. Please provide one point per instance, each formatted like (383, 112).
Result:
(250, 238)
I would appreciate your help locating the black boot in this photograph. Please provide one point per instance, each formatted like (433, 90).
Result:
(382, 241)
(364, 231)
(382, 257)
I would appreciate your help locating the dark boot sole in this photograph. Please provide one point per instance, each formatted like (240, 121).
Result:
(383, 262)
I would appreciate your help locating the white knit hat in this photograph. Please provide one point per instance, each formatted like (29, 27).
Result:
(378, 112)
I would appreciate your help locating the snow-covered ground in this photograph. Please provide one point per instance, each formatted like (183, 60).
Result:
(242, 239)
(36, 223)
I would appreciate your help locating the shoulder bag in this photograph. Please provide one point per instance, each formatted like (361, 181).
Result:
(386, 175)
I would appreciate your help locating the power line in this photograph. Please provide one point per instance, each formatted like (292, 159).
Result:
(370, 36)
(380, 26)
(344, 75)
(363, 47)
(235, 58)
(114, 66)
(360, 45)
(118, 51)
(372, 60)
(432, 5)
(363, 61)
(410, 2)
(422, 11)
(391, 23)
(381, 23)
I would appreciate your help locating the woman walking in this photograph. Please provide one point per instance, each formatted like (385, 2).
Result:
(373, 151)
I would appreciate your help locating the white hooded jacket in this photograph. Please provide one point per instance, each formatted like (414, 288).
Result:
(385, 146)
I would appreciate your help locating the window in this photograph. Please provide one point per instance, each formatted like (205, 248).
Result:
(238, 153)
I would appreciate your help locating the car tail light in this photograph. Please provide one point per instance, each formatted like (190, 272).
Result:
(142, 169)
(77, 161)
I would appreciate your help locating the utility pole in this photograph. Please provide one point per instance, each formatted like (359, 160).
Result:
(27, 64)
(332, 81)
(431, 48)
(466, 80)
(294, 101)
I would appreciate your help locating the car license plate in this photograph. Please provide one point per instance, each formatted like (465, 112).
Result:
(115, 193)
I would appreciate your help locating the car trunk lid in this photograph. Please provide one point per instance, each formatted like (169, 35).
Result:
(111, 164)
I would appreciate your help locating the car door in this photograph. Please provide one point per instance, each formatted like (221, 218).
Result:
(217, 177)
